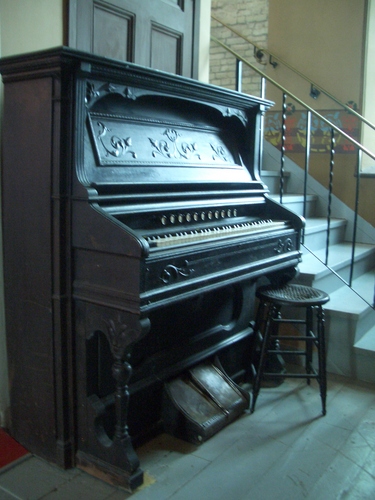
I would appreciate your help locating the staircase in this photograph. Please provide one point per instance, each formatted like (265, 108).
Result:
(350, 319)
(350, 314)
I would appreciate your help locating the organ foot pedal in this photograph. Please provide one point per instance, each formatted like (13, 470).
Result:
(200, 402)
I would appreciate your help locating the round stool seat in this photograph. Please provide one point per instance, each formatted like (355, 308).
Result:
(292, 295)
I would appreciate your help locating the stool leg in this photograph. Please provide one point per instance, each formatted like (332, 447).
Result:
(258, 341)
(271, 314)
(254, 362)
(275, 362)
(322, 357)
(309, 343)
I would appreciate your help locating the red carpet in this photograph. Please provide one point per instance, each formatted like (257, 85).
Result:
(10, 450)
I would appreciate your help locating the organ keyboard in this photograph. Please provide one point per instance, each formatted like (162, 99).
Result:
(189, 236)
(136, 226)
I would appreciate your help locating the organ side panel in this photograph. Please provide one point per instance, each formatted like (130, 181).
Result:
(36, 266)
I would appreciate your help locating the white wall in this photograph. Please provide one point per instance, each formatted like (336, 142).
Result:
(29, 25)
(25, 26)
(368, 164)
(204, 41)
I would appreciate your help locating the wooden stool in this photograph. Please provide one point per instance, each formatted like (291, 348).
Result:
(272, 300)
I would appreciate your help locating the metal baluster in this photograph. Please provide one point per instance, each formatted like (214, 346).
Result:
(282, 159)
(261, 140)
(307, 166)
(238, 75)
(354, 237)
(330, 187)
(263, 83)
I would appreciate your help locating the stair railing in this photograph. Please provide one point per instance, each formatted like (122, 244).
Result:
(274, 60)
(335, 132)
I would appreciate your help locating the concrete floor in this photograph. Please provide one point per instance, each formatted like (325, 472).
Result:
(285, 450)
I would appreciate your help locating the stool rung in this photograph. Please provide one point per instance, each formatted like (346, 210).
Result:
(290, 375)
(294, 337)
(286, 351)
(291, 321)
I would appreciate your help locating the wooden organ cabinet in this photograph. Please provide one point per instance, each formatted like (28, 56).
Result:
(135, 225)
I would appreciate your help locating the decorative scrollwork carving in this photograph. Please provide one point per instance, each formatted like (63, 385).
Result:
(109, 88)
(279, 247)
(219, 152)
(173, 149)
(129, 94)
(94, 91)
(235, 112)
(119, 146)
(91, 92)
(119, 336)
(284, 246)
(289, 246)
(171, 272)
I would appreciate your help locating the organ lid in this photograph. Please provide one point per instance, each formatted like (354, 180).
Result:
(137, 127)
(137, 136)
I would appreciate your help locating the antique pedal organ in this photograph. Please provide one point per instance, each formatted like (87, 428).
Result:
(135, 227)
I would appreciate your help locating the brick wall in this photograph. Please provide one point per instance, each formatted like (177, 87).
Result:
(250, 18)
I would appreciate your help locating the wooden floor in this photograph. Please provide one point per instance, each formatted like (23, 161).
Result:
(285, 450)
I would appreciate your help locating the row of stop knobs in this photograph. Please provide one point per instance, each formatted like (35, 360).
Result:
(198, 216)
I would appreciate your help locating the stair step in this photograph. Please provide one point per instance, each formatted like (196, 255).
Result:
(354, 303)
(272, 173)
(367, 342)
(346, 302)
(350, 326)
(365, 285)
(316, 232)
(295, 203)
(314, 272)
(364, 355)
(272, 179)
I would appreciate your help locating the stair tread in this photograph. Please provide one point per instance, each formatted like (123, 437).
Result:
(315, 224)
(273, 173)
(339, 255)
(347, 302)
(289, 198)
(365, 284)
(367, 342)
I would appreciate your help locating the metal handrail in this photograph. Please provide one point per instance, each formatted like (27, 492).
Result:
(272, 56)
(334, 129)
(295, 98)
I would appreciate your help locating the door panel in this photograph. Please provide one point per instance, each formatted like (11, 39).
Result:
(112, 33)
(155, 33)
(165, 50)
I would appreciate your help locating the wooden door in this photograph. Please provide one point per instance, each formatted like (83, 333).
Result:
(159, 34)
